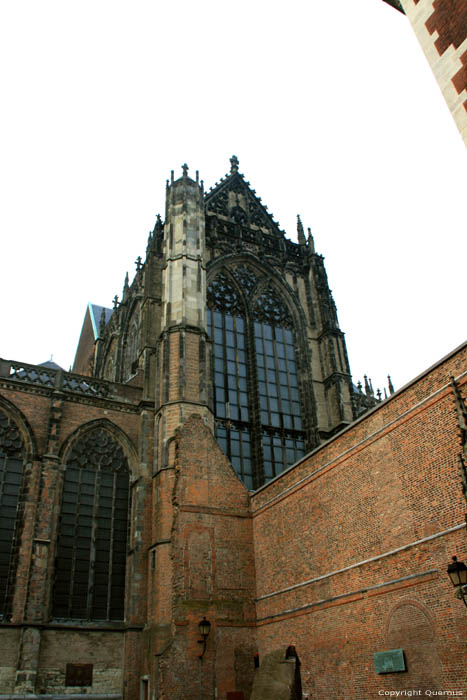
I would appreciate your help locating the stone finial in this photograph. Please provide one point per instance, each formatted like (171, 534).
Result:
(367, 385)
(126, 286)
(300, 231)
(185, 170)
(158, 225)
(138, 263)
(390, 386)
(115, 301)
(234, 163)
(310, 241)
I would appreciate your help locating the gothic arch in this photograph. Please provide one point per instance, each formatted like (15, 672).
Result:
(409, 602)
(410, 626)
(16, 450)
(266, 274)
(24, 427)
(261, 367)
(104, 423)
(92, 537)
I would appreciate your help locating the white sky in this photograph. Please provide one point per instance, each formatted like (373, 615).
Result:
(330, 107)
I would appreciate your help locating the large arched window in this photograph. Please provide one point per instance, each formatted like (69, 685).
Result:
(227, 329)
(11, 475)
(257, 402)
(92, 538)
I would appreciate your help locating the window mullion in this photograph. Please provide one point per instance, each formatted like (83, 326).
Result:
(111, 544)
(73, 553)
(92, 552)
(256, 446)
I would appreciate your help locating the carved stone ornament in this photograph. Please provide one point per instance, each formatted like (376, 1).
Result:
(98, 450)
(269, 308)
(11, 442)
(245, 276)
(223, 296)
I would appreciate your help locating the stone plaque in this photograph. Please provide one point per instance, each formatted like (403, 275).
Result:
(78, 674)
(391, 661)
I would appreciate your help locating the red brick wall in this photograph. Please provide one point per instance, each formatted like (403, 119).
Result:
(449, 20)
(448, 24)
(213, 572)
(47, 420)
(387, 482)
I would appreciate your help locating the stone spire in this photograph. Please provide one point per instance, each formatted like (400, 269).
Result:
(300, 231)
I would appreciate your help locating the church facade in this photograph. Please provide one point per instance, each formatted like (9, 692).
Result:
(208, 458)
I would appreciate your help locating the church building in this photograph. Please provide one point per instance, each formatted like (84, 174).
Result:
(207, 486)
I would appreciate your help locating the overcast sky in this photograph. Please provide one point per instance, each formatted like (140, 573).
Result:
(331, 109)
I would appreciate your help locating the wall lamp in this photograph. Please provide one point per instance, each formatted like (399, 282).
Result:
(204, 628)
(458, 574)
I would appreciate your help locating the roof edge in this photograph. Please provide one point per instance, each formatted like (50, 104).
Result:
(396, 5)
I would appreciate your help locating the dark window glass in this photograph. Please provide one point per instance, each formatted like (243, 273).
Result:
(92, 539)
(275, 398)
(11, 474)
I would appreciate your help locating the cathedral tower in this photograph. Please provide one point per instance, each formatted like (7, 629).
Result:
(229, 318)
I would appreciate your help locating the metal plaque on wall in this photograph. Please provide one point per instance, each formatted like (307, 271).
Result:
(391, 661)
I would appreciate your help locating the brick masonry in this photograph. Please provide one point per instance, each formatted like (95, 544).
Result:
(441, 28)
(342, 555)
(323, 536)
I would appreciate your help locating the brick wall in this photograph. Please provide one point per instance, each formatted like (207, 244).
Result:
(33, 651)
(342, 555)
(323, 536)
(213, 573)
(441, 28)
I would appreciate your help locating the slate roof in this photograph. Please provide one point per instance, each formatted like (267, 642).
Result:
(95, 312)
(50, 364)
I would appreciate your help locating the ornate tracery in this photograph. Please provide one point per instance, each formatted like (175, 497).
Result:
(257, 399)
